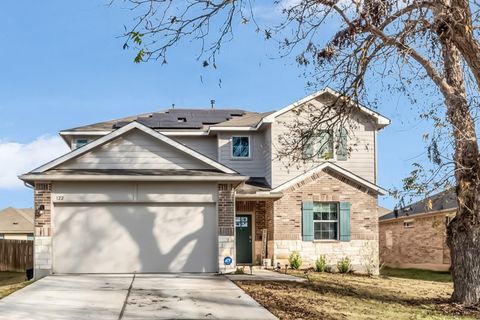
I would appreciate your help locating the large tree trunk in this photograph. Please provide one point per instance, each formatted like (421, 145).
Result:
(463, 233)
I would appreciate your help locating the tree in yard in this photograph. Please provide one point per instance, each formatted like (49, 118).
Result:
(407, 45)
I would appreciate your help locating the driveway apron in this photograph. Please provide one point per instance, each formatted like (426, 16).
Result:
(125, 297)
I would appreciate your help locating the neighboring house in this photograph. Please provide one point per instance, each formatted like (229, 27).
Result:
(415, 236)
(180, 190)
(16, 224)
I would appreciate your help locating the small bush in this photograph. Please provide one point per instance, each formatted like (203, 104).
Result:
(295, 260)
(321, 264)
(240, 271)
(344, 265)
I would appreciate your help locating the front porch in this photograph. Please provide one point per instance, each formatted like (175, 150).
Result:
(253, 231)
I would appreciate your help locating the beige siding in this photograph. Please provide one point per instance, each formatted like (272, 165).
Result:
(268, 154)
(206, 145)
(135, 150)
(361, 160)
(252, 167)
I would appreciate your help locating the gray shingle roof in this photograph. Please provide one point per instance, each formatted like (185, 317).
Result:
(183, 119)
(441, 201)
(254, 184)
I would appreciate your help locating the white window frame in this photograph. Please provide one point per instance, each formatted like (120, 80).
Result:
(249, 147)
(409, 224)
(337, 221)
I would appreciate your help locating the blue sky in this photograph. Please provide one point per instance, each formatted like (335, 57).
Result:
(62, 65)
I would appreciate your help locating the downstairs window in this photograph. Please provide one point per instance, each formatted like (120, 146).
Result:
(325, 220)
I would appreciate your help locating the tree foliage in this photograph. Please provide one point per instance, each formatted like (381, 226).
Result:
(409, 47)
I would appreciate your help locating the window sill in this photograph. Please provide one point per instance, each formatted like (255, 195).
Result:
(326, 241)
(240, 159)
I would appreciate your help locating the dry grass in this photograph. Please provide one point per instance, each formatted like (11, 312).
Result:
(337, 296)
(11, 282)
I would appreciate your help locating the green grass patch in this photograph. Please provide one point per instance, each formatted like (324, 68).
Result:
(417, 274)
(11, 282)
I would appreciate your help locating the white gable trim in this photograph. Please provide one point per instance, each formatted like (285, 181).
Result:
(74, 177)
(132, 125)
(381, 120)
(336, 168)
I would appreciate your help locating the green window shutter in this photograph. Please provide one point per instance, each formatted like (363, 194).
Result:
(307, 220)
(344, 221)
(342, 148)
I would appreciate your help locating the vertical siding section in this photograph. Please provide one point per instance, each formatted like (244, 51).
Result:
(361, 160)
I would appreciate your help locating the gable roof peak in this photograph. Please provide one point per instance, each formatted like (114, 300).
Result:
(121, 131)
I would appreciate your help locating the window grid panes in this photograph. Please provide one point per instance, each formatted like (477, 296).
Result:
(325, 221)
(320, 146)
(240, 147)
(80, 143)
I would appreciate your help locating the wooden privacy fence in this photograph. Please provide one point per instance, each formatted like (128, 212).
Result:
(16, 255)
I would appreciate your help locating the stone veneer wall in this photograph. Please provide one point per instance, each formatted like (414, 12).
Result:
(226, 226)
(423, 246)
(43, 230)
(329, 187)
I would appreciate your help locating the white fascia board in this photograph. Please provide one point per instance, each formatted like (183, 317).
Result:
(259, 196)
(381, 120)
(336, 168)
(103, 133)
(184, 133)
(52, 177)
(132, 125)
(84, 133)
(233, 128)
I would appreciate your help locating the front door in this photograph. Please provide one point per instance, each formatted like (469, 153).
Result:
(243, 228)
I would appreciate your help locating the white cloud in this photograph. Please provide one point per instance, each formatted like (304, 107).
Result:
(18, 158)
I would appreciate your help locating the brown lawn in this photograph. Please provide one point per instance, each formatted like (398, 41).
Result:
(11, 282)
(339, 296)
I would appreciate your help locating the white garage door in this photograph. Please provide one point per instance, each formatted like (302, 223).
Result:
(126, 238)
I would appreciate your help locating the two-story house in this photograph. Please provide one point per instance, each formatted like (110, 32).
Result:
(181, 190)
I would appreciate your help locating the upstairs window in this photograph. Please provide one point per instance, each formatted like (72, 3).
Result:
(409, 224)
(320, 146)
(80, 143)
(325, 220)
(241, 147)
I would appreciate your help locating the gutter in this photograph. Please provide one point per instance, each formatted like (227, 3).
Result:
(47, 177)
(259, 196)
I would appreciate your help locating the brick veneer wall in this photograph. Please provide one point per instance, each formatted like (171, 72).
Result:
(423, 246)
(328, 187)
(43, 196)
(43, 230)
(226, 226)
(226, 210)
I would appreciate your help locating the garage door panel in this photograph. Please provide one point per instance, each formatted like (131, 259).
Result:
(135, 238)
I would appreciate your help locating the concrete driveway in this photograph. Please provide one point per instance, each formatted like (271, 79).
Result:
(155, 296)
